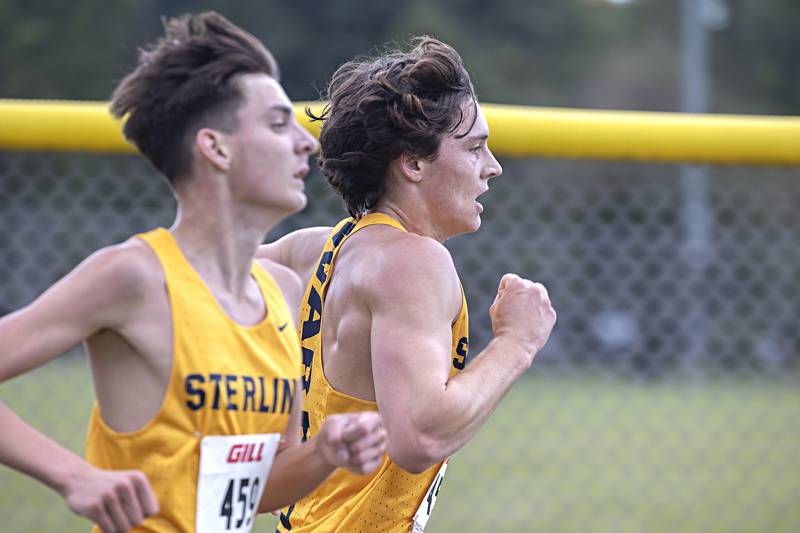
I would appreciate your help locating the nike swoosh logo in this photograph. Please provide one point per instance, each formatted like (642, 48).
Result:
(281, 328)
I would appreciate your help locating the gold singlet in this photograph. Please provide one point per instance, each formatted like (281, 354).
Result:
(226, 379)
(389, 499)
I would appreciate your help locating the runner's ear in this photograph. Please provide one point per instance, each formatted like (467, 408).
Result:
(212, 147)
(407, 167)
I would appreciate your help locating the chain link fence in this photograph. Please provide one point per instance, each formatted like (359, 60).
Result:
(666, 400)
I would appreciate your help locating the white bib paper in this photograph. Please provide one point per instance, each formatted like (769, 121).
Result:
(233, 472)
(423, 514)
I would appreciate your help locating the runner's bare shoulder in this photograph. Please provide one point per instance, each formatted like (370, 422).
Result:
(119, 277)
(408, 264)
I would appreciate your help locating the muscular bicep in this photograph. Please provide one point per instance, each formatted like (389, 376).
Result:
(94, 296)
(411, 340)
(410, 363)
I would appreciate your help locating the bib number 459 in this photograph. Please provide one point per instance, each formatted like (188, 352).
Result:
(240, 502)
(233, 472)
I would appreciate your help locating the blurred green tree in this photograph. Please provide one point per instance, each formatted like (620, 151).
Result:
(579, 53)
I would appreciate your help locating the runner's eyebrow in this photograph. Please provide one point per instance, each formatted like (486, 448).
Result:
(477, 137)
(283, 109)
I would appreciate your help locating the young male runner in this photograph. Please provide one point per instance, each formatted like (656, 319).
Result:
(193, 350)
(384, 321)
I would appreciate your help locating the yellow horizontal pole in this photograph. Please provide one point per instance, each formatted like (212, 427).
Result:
(646, 136)
(516, 131)
(60, 126)
(74, 126)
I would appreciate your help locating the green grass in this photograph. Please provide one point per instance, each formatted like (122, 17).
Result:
(560, 454)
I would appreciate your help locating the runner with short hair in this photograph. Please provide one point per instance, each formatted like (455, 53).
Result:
(192, 346)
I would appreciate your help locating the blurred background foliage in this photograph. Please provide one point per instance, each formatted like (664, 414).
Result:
(621, 54)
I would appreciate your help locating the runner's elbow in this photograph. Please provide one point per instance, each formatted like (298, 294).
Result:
(415, 452)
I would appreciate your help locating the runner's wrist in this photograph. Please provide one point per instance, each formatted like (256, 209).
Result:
(323, 456)
(67, 475)
(514, 351)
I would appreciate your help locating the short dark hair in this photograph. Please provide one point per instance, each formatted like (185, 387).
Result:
(381, 107)
(185, 81)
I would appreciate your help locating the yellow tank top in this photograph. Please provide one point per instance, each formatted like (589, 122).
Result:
(387, 499)
(226, 379)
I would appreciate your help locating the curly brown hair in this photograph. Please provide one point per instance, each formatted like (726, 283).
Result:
(382, 107)
(185, 81)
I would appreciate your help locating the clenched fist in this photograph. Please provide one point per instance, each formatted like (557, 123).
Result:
(356, 441)
(114, 500)
(522, 311)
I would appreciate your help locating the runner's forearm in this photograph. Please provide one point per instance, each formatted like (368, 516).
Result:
(296, 471)
(29, 451)
(451, 417)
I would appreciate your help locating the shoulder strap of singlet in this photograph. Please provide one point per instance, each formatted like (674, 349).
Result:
(340, 233)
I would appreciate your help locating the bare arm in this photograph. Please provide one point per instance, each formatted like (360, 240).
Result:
(115, 500)
(427, 414)
(356, 441)
(298, 250)
(98, 294)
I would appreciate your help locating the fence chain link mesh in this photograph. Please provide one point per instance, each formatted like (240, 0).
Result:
(666, 400)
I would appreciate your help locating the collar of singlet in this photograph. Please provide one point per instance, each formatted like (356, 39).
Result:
(381, 218)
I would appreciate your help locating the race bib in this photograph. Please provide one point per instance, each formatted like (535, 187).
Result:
(426, 508)
(233, 472)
